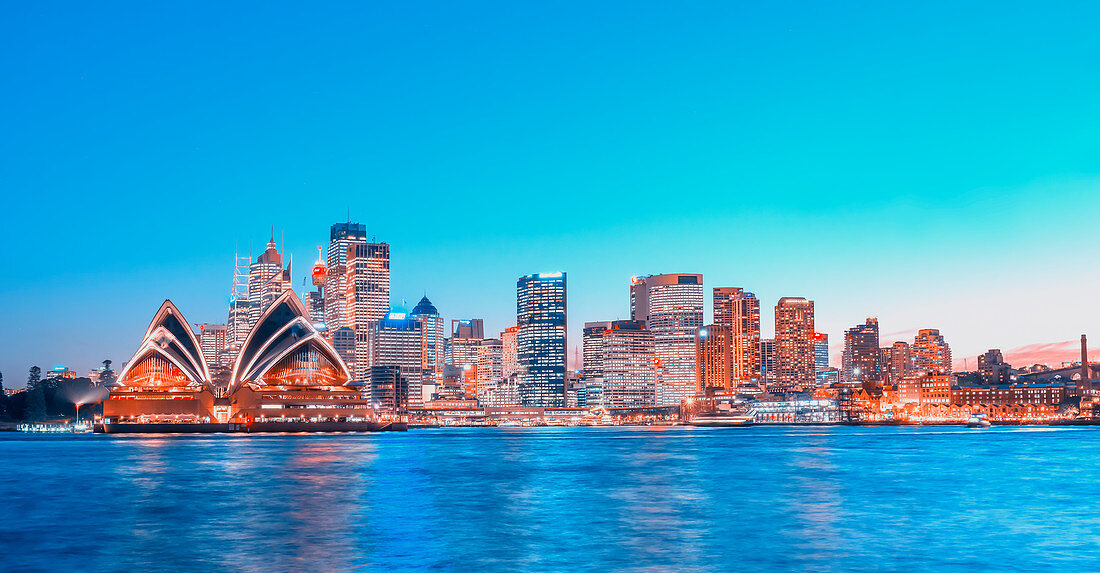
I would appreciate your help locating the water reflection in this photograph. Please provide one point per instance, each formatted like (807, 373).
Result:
(833, 499)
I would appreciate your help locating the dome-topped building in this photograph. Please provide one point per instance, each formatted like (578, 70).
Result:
(424, 308)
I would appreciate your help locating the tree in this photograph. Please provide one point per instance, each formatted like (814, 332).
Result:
(34, 377)
(106, 376)
(36, 395)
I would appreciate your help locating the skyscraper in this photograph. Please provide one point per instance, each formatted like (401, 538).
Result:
(627, 365)
(672, 307)
(343, 340)
(713, 359)
(592, 348)
(212, 340)
(432, 339)
(468, 328)
(821, 351)
(794, 345)
(509, 360)
(267, 279)
(396, 341)
(899, 362)
(341, 237)
(541, 339)
(931, 352)
(490, 366)
(738, 312)
(861, 359)
(767, 359)
(367, 300)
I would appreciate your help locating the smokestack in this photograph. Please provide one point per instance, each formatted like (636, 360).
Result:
(1084, 361)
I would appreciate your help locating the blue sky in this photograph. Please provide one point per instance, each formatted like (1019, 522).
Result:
(935, 165)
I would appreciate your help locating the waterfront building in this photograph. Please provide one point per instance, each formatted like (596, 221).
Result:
(821, 351)
(738, 312)
(628, 366)
(794, 349)
(672, 307)
(1010, 394)
(397, 341)
(286, 369)
(212, 340)
(541, 339)
(341, 237)
(389, 389)
(861, 359)
(925, 388)
(931, 352)
(168, 376)
(993, 369)
(713, 360)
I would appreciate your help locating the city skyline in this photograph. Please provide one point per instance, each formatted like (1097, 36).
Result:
(1051, 353)
(929, 180)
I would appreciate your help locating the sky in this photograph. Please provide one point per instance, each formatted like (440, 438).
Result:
(933, 164)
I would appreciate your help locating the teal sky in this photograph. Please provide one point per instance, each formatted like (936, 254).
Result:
(935, 164)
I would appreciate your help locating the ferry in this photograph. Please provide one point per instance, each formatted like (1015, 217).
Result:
(508, 424)
(726, 419)
(978, 420)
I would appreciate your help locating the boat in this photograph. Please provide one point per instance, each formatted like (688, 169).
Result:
(722, 419)
(508, 424)
(978, 420)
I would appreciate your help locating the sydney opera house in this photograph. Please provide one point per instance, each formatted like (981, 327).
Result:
(286, 377)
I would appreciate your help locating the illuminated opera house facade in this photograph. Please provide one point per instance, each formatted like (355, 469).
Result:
(285, 372)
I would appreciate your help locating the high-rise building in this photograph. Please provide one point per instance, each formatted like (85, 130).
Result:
(341, 237)
(490, 358)
(794, 344)
(367, 300)
(343, 340)
(368, 284)
(432, 339)
(713, 359)
(993, 369)
(898, 361)
(509, 360)
(767, 359)
(541, 339)
(267, 279)
(739, 313)
(821, 351)
(237, 328)
(672, 307)
(592, 349)
(396, 340)
(861, 359)
(468, 328)
(930, 352)
(628, 367)
(212, 340)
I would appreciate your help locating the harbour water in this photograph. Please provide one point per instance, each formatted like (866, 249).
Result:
(738, 499)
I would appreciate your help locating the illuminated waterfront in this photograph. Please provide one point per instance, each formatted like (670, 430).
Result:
(760, 498)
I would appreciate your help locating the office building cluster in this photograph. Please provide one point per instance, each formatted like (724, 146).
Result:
(664, 355)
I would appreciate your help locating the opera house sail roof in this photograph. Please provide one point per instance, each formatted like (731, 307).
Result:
(169, 356)
(285, 350)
